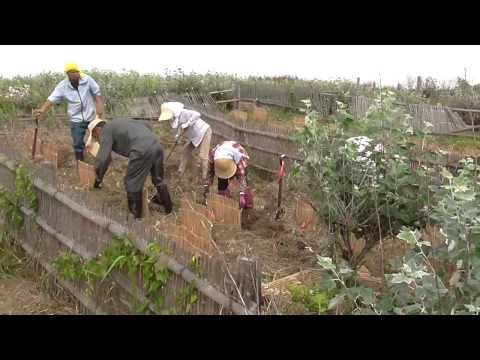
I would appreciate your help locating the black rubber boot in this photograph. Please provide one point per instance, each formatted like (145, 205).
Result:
(163, 198)
(135, 204)
(79, 156)
(156, 199)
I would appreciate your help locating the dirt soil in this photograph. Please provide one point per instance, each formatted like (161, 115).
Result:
(22, 297)
(281, 248)
(279, 245)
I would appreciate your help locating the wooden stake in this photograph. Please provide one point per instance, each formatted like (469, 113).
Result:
(145, 210)
(249, 284)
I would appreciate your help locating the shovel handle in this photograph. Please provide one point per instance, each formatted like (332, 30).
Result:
(280, 186)
(171, 151)
(34, 147)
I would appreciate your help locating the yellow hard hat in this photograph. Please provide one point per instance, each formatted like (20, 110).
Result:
(225, 168)
(72, 66)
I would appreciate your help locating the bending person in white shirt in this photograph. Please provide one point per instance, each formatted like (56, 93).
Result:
(197, 132)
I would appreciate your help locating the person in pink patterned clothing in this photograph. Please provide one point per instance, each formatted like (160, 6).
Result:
(228, 160)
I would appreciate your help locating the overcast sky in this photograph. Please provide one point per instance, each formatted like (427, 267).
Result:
(393, 63)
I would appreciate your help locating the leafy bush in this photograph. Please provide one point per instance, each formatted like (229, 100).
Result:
(314, 300)
(417, 284)
(361, 180)
(359, 174)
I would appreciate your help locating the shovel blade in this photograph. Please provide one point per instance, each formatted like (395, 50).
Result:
(279, 213)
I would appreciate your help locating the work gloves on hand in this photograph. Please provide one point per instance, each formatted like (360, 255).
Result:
(206, 190)
(243, 201)
(246, 200)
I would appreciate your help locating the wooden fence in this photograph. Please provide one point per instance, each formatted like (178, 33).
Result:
(287, 97)
(76, 222)
(445, 120)
(265, 143)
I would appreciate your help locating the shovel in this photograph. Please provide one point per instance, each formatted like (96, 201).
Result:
(281, 173)
(34, 148)
(173, 148)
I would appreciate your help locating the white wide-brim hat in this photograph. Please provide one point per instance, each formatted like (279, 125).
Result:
(92, 145)
(170, 109)
(225, 168)
(165, 113)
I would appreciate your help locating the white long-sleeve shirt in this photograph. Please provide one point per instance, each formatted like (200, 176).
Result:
(190, 121)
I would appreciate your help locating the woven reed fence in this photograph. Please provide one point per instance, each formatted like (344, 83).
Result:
(264, 143)
(76, 222)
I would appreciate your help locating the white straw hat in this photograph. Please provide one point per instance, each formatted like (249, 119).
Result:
(92, 145)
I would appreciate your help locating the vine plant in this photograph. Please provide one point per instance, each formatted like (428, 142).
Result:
(12, 256)
(124, 256)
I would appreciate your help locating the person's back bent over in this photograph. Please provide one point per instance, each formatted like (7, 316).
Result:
(135, 140)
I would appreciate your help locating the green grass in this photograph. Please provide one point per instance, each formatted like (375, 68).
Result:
(13, 259)
(460, 142)
(281, 114)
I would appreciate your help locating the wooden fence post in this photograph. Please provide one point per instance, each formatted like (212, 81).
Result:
(238, 97)
(145, 210)
(248, 280)
(419, 85)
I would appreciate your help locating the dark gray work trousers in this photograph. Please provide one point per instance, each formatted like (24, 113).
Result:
(140, 165)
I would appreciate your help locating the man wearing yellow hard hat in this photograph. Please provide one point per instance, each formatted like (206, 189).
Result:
(227, 160)
(84, 100)
(197, 132)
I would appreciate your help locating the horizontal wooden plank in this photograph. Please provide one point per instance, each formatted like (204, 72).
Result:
(227, 101)
(465, 110)
(202, 285)
(86, 301)
(220, 91)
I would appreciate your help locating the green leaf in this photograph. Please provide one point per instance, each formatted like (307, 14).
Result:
(446, 174)
(336, 301)
(419, 274)
(365, 293)
(113, 265)
(345, 271)
(425, 243)
(400, 278)
(385, 305)
(465, 196)
(412, 308)
(325, 262)
(408, 236)
(472, 308)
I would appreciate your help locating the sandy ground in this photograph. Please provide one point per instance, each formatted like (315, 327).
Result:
(23, 297)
